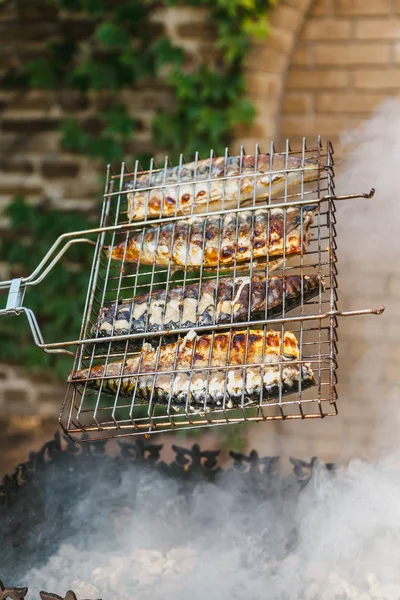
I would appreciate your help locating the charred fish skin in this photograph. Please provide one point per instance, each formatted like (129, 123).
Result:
(211, 302)
(191, 371)
(194, 243)
(211, 184)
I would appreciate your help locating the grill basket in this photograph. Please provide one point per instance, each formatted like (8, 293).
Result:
(90, 413)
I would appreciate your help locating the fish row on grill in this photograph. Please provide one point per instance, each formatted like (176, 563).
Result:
(211, 184)
(233, 239)
(211, 302)
(193, 373)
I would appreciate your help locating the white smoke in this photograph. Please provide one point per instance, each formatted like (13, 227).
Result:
(369, 275)
(369, 272)
(221, 544)
(371, 161)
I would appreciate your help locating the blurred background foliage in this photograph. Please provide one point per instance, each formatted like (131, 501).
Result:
(120, 53)
(209, 102)
(59, 301)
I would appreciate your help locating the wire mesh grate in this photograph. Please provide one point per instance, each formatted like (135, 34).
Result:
(213, 312)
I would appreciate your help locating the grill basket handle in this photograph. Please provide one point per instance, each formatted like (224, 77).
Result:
(17, 288)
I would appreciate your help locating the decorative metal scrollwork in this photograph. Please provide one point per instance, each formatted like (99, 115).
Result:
(14, 593)
(70, 595)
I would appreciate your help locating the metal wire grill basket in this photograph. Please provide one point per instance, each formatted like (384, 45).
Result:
(201, 386)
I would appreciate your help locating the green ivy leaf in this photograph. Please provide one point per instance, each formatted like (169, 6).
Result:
(105, 147)
(118, 121)
(133, 65)
(257, 27)
(41, 74)
(104, 76)
(131, 14)
(241, 112)
(111, 36)
(93, 7)
(164, 52)
(72, 5)
(73, 138)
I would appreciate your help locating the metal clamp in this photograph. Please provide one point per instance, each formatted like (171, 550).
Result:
(15, 296)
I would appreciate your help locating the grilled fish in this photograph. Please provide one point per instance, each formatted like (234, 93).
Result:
(209, 185)
(207, 303)
(180, 372)
(220, 241)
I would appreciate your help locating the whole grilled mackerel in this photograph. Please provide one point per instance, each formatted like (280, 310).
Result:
(180, 372)
(220, 241)
(188, 189)
(207, 303)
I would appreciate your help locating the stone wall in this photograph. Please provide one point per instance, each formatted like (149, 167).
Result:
(326, 65)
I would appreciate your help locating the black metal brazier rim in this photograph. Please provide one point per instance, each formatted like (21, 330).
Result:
(25, 500)
(15, 593)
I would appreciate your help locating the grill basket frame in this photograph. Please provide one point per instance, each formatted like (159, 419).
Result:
(89, 412)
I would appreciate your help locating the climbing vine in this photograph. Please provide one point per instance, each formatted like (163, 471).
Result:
(58, 303)
(121, 48)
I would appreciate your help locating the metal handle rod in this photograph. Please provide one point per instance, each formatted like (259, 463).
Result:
(352, 313)
(35, 329)
(18, 286)
(55, 260)
(58, 347)
(30, 280)
(242, 175)
(33, 278)
(254, 207)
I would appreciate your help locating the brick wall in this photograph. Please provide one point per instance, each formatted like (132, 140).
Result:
(33, 164)
(326, 65)
(31, 160)
(347, 60)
